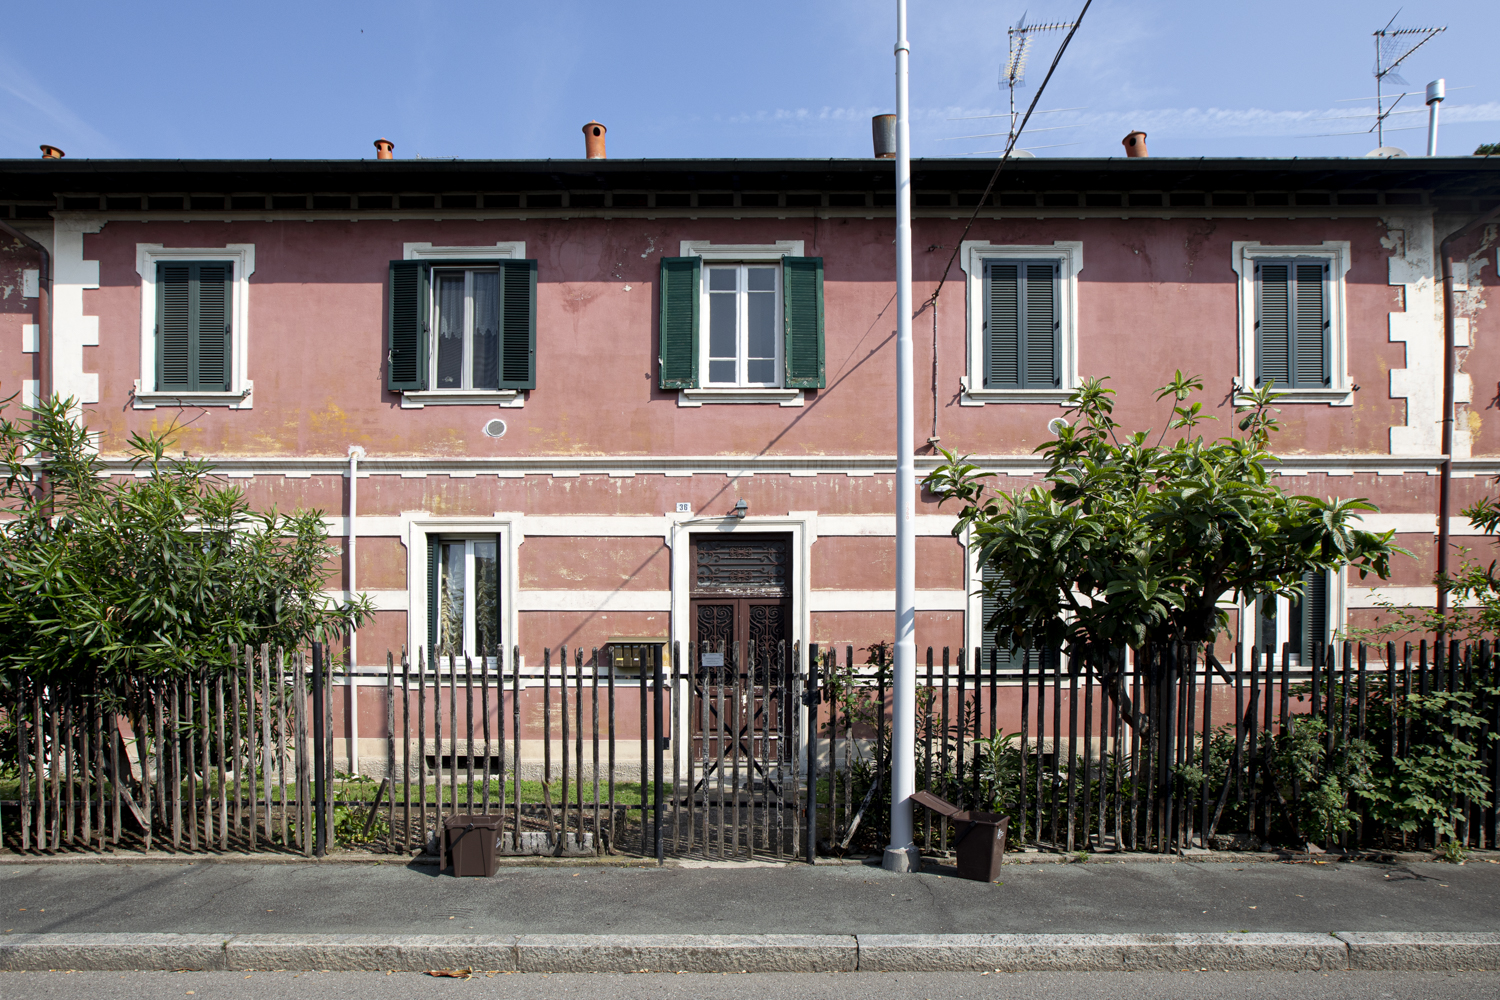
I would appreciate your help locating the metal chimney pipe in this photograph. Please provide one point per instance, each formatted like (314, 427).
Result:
(883, 131)
(1436, 91)
(384, 149)
(1135, 144)
(593, 141)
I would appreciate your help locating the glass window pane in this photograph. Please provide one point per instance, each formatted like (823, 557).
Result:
(451, 598)
(761, 342)
(761, 371)
(721, 279)
(450, 331)
(762, 279)
(486, 346)
(721, 323)
(721, 371)
(486, 603)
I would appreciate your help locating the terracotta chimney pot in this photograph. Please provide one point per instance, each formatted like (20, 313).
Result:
(384, 149)
(52, 152)
(593, 141)
(1135, 144)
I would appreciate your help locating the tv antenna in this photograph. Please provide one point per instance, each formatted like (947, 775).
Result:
(1013, 73)
(1392, 46)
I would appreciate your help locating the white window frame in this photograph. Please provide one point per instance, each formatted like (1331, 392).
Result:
(738, 253)
(1336, 254)
(414, 399)
(417, 529)
(973, 254)
(241, 393)
(742, 327)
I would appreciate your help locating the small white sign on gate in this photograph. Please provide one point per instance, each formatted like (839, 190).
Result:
(711, 660)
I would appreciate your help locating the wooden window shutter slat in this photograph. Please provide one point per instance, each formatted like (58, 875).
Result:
(1273, 323)
(1310, 333)
(406, 329)
(802, 306)
(678, 343)
(518, 324)
(213, 289)
(1042, 327)
(173, 326)
(1002, 318)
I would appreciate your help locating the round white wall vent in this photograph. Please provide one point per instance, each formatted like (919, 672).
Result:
(495, 428)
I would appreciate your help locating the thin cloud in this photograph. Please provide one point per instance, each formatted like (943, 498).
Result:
(31, 114)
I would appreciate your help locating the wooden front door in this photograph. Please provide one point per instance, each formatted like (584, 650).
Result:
(742, 593)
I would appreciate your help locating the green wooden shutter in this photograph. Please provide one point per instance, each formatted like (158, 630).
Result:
(194, 306)
(1273, 323)
(406, 331)
(518, 324)
(802, 308)
(1022, 331)
(678, 347)
(1310, 615)
(211, 362)
(1006, 657)
(1293, 326)
(1002, 325)
(173, 326)
(1043, 327)
(434, 558)
(1310, 328)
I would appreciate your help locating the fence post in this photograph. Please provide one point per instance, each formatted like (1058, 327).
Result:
(811, 697)
(320, 738)
(657, 747)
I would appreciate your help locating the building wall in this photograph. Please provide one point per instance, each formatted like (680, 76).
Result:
(597, 444)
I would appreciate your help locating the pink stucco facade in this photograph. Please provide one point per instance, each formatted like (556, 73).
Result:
(585, 484)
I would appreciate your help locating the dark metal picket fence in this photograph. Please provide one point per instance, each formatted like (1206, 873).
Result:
(723, 752)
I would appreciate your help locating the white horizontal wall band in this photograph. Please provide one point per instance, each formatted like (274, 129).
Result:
(636, 526)
(734, 466)
(1401, 597)
(1425, 524)
(884, 600)
(594, 600)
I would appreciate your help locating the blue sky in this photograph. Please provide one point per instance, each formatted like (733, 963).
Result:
(679, 79)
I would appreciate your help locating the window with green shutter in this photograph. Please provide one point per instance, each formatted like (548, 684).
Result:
(1007, 659)
(1022, 324)
(1307, 619)
(1293, 326)
(742, 325)
(461, 326)
(194, 313)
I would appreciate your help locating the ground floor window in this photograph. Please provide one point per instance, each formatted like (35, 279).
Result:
(463, 595)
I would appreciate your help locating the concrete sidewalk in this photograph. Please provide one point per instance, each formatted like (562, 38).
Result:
(1095, 915)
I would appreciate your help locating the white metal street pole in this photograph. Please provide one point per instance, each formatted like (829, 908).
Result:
(901, 854)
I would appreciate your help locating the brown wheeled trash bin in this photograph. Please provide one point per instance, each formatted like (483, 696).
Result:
(980, 837)
(470, 841)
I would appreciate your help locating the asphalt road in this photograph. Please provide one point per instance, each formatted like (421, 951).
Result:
(793, 986)
(1097, 897)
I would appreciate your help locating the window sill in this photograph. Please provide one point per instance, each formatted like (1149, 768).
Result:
(981, 397)
(462, 397)
(697, 397)
(242, 400)
(1328, 397)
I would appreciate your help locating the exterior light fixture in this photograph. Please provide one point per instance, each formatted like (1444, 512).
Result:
(741, 508)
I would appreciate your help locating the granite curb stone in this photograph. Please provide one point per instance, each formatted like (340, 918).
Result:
(1414, 951)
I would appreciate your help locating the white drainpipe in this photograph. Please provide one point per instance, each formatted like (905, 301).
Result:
(355, 454)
